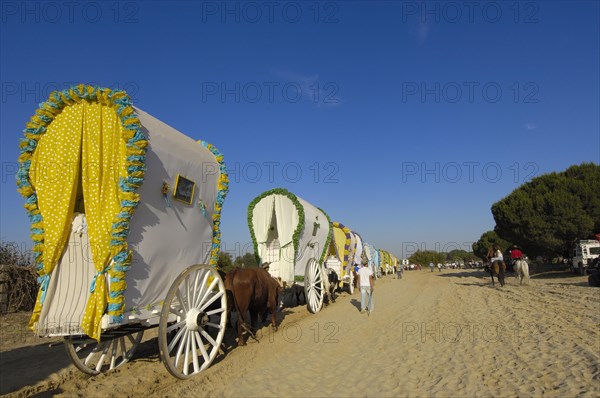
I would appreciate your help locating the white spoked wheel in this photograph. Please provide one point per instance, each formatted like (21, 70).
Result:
(314, 286)
(93, 357)
(192, 321)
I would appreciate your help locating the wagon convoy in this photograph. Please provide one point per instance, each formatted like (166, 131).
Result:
(125, 218)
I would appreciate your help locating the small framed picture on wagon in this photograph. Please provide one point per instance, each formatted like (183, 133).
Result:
(184, 190)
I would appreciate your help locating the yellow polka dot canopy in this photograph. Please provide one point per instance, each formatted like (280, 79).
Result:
(85, 151)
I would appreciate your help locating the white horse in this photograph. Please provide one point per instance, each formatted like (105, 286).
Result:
(522, 271)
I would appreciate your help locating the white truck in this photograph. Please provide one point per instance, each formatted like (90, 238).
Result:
(584, 253)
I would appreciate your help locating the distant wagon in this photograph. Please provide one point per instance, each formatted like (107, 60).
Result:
(371, 257)
(341, 254)
(125, 214)
(385, 261)
(359, 252)
(394, 263)
(376, 263)
(291, 235)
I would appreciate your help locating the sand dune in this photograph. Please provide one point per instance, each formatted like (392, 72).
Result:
(432, 334)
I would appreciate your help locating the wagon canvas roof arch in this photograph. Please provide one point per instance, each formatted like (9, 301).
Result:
(116, 147)
(301, 229)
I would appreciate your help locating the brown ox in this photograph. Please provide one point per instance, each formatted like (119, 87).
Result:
(254, 290)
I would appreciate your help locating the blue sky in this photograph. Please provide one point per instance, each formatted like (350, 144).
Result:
(404, 120)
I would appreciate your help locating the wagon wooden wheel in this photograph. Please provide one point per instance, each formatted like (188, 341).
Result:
(93, 357)
(314, 287)
(192, 321)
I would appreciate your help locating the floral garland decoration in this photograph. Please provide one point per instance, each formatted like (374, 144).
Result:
(347, 232)
(295, 201)
(329, 235)
(135, 164)
(222, 190)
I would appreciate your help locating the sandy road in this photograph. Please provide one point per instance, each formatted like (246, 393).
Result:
(431, 334)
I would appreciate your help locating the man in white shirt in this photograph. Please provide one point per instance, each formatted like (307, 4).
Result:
(365, 280)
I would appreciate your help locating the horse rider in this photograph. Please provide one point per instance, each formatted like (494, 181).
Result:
(515, 253)
(497, 255)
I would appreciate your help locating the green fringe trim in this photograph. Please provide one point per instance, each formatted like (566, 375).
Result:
(329, 237)
(295, 201)
(223, 189)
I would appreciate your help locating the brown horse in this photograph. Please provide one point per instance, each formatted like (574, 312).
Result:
(496, 267)
(253, 290)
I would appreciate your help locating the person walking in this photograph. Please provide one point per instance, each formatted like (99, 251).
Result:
(365, 280)
(399, 271)
(431, 266)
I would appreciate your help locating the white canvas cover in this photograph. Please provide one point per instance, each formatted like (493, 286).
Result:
(69, 285)
(359, 249)
(274, 220)
(263, 214)
(368, 252)
(334, 263)
(311, 246)
(376, 261)
(165, 238)
(368, 248)
(286, 225)
(281, 214)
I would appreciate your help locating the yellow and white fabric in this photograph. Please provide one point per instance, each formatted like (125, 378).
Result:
(82, 154)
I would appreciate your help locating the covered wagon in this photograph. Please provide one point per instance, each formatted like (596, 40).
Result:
(341, 254)
(359, 254)
(125, 213)
(370, 254)
(377, 262)
(291, 235)
(394, 262)
(385, 261)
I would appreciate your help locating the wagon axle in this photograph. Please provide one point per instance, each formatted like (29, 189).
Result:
(195, 319)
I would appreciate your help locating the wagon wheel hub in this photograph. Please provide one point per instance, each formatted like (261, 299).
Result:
(193, 319)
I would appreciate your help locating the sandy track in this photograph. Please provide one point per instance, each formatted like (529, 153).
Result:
(431, 334)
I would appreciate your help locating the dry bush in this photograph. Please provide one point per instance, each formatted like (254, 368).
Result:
(18, 278)
(12, 254)
(21, 286)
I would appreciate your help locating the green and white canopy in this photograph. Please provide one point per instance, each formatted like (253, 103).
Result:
(287, 232)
